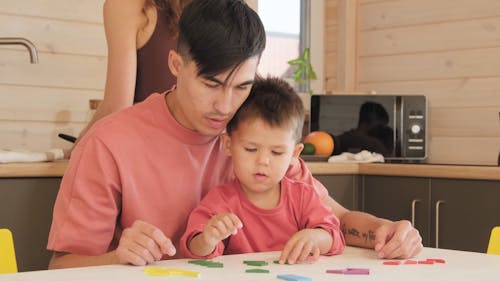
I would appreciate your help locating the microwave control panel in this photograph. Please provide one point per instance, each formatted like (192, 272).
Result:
(414, 127)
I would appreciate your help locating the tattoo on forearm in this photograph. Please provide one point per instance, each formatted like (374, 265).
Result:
(370, 236)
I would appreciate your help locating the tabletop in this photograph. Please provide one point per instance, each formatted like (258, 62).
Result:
(458, 265)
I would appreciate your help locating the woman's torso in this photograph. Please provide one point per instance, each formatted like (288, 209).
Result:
(153, 74)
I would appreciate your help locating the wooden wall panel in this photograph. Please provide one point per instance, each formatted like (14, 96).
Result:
(45, 104)
(53, 70)
(330, 41)
(448, 50)
(71, 10)
(56, 36)
(464, 150)
(38, 101)
(397, 13)
(446, 36)
(484, 62)
(36, 136)
(455, 93)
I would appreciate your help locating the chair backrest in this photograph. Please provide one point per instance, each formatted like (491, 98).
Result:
(494, 245)
(8, 262)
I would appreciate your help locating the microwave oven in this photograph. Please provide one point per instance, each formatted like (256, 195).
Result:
(392, 125)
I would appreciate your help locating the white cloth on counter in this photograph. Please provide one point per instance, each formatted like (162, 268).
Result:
(9, 156)
(364, 156)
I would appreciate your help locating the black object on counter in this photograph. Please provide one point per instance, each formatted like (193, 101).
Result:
(67, 137)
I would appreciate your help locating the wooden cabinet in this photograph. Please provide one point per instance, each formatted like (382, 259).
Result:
(343, 188)
(26, 206)
(450, 214)
(464, 212)
(399, 198)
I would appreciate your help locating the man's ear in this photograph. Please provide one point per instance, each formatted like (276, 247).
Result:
(175, 62)
(226, 144)
(298, 149)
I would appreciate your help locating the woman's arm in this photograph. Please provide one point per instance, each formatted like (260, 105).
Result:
(126, 24)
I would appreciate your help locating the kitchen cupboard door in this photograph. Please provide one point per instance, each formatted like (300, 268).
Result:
(343, 188)
(464, 212)
(399, 198)
(26, 206)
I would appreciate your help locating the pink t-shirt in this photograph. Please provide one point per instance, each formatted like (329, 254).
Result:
(263, 229)
(138, 164)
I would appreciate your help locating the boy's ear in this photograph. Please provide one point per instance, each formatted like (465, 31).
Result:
(174, 62)
(226, 144)
(298, 149)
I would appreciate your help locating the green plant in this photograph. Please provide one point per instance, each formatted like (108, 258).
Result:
(304, 71)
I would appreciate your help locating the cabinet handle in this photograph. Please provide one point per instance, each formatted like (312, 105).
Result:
(438, 203)
(413, 210)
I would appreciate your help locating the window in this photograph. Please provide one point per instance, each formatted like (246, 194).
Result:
(283, 20)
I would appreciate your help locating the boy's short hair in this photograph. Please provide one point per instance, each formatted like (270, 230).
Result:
(219, 35)
(275, 102)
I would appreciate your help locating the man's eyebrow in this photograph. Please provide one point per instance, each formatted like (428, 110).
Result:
(248, 82)
(213, 79)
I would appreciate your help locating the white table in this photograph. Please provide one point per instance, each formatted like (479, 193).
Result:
(459, 266)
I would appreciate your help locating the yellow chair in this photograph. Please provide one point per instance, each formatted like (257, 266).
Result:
(494, 245)
(7, 254)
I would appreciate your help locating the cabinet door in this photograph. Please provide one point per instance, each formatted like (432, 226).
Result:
(399, 198)
(464, 212)
(343, 188)
(26, 206)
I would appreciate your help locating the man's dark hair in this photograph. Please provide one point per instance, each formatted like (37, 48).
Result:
(219, 35)
(275, 102)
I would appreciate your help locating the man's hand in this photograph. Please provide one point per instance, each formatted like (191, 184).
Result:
(306, 245)
(143, 243)
(397, 240)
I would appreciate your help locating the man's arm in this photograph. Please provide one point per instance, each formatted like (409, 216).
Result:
(390, 239)
(140, 244)
(65, 260)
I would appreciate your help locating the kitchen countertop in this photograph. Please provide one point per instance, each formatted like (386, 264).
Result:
(457, 265)
(56, 169)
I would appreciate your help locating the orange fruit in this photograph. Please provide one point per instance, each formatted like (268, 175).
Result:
(322, 141)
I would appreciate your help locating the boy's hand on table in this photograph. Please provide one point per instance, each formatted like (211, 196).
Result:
(221, 226)
(306, 245)
(143, 243)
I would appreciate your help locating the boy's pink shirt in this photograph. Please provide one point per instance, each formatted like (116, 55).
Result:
(139, 164)
(263, 229)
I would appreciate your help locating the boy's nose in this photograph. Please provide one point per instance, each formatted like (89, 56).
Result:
(263, 159)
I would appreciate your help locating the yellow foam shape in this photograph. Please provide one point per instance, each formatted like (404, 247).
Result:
(162, 271)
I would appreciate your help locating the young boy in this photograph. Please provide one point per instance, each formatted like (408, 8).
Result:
(262, 210)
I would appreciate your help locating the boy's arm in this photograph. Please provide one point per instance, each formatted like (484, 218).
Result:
(305, 244)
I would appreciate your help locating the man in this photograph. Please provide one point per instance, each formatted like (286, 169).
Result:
(135, 176)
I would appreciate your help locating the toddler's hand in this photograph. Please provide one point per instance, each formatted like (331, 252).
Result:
(220, 226)
(302, 246)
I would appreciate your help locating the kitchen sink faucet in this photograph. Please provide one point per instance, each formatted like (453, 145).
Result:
(21, 41)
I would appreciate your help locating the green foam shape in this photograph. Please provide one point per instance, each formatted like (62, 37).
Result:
(257, 270)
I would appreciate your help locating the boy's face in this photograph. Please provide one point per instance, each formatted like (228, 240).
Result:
(261, 155)
(205, 104)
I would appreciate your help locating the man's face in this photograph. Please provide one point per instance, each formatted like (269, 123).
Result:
(206, 104)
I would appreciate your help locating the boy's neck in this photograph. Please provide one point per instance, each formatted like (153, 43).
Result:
(265, 200)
